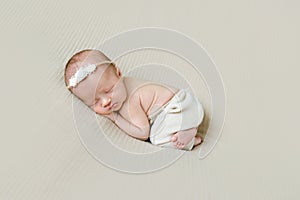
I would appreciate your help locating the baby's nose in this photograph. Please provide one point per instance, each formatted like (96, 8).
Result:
(106, 102)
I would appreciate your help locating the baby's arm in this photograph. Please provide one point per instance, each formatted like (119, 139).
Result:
(137, 130)
(138, 124)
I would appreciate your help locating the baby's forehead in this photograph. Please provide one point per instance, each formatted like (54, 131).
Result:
(87, 87)
(102, 73)
(105, 75)
(100, 70)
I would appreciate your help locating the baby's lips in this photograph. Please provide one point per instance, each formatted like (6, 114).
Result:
(112, 106)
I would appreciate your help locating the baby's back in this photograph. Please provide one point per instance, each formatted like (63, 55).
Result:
(152, 95)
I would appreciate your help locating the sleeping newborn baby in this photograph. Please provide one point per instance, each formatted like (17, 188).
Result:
(167, 116)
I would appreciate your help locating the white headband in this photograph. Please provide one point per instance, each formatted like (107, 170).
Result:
(83, 72)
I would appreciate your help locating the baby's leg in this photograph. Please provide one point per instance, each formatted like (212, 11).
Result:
(182, 138)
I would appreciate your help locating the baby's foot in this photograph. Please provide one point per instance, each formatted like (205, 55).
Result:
(182, 138)
(197, 141)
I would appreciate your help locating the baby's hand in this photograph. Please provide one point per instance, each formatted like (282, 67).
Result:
(112, 116)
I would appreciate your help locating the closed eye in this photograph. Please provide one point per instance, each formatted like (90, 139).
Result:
(109, 90)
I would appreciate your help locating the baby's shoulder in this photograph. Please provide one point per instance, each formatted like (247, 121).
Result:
(145, 86)
(138, 88)
(147, 93)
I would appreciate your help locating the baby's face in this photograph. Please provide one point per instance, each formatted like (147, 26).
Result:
(103, 91)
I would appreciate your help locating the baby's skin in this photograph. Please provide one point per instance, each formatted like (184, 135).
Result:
(128, 102)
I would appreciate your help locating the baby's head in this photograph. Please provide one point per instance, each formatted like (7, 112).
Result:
(96, 81)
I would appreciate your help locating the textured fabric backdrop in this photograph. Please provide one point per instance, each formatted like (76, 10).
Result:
(255, 45)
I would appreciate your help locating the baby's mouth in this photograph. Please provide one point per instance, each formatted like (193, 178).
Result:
(114, 105)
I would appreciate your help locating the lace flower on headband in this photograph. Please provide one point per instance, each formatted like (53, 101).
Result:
(83, 72)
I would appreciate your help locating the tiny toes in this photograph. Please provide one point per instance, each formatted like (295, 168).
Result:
(179, 145)
(174, 138)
